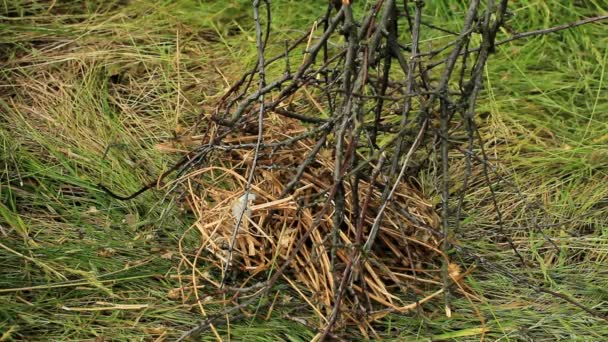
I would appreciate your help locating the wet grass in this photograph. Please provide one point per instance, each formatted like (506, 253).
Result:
(79, 77)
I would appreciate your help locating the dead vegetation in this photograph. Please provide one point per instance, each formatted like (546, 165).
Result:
(297, 229)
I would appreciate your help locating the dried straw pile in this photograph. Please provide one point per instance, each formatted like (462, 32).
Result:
(398, 272)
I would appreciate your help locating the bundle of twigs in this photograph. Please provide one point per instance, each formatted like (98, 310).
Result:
(334, 211)
(308, 178)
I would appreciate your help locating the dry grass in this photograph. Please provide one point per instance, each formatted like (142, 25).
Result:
(399, 271)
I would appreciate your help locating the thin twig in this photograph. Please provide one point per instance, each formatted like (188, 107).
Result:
(262, 110)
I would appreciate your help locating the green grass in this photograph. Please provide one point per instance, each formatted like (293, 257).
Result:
(78, 77)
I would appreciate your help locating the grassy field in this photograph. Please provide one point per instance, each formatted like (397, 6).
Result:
(90, 89)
